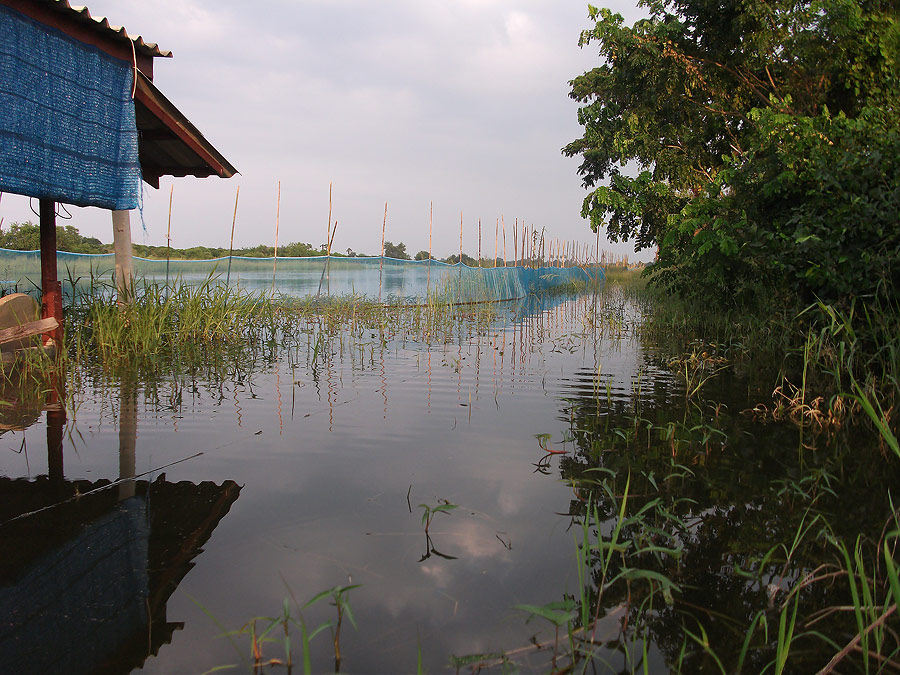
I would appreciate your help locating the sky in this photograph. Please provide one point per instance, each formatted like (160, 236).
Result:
(462, 104)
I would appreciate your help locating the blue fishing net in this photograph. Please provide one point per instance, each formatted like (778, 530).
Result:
(67, 125)
(384, 279)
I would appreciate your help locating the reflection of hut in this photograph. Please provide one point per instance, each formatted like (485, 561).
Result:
(85, 577)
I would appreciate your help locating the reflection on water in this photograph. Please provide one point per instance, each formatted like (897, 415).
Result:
(336, 444)
(87, 568)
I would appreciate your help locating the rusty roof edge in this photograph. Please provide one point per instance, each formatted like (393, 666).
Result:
(215, 159)
(102, 25)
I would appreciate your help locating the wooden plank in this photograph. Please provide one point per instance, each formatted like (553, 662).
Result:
(27, 330)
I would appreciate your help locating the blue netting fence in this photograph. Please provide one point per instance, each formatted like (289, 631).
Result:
(384, 279)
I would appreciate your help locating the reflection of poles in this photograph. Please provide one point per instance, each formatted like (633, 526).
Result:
(127, 438)
(56, 422)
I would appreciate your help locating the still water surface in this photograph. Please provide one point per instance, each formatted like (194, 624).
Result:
(308, 472)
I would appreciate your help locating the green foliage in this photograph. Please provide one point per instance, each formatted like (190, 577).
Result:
(27, 237)
(466, 258)
(422, 255)
(813, 207)
(397, 251)
(292, 250)
(754, 142)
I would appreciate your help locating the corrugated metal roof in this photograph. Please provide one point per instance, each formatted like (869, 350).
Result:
(102, 25)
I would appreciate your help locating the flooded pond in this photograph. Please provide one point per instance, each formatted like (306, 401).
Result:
(517, 441)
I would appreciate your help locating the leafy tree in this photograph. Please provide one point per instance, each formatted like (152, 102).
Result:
(713, 130)
(466, 258)
(422, 255)
(395, 250)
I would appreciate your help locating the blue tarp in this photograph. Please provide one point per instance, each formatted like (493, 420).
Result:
(67, 127)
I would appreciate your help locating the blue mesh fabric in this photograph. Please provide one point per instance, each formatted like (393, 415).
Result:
(388, 280)
(67, 126)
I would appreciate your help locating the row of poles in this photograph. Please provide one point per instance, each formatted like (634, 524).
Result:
(537, 250)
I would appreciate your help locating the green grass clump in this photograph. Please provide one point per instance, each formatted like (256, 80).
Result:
(166, 324)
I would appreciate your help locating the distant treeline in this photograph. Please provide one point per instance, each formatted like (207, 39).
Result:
(27, 237)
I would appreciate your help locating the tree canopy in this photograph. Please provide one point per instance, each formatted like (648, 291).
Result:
(735, 136)
(397, 251)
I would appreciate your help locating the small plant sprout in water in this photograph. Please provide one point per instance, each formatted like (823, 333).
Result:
(429, 511)
(559, 614)
(544, 442)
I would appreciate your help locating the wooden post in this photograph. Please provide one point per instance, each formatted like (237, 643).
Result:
(51, 289)
(503, 226)
(122, 246)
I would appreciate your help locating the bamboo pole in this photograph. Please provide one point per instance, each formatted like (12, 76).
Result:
(460, 238)
(459, 282)
(430, 225)
(479, 242)
(169, 238)
(231, 242)
(516, 242)
(381, 263)
(496, 240)
(330, 235)
(277, 223)
(503, 226)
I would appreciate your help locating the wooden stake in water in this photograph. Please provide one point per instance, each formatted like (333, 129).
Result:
(479, 242)
(503, 227)
(169, 236)
(496, 240)
(516, 242)
(277, 222)
(460, 238)
(231, 243)
(381, 264)
(459, 283)
(430, 224)
(330, 235)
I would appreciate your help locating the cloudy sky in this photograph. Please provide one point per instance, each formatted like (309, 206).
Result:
(462, 103)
